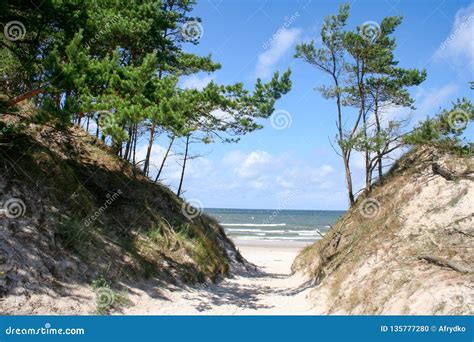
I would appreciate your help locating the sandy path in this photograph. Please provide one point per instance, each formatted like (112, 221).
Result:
(269, 291)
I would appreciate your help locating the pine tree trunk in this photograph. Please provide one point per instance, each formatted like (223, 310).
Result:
(135, 145)
(379, 152)
(347, 168)
(379, 158)
(129, 142)
(344, 152)
(97, 127)
(368, 169)
(146, 166)
(184, 165)
(164, 159)
(25, 96)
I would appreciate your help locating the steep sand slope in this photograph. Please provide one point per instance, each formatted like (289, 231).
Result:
(407, 247)
(77, 224)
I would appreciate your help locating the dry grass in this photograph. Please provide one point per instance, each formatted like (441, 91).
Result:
(66, 177)
(368, 264)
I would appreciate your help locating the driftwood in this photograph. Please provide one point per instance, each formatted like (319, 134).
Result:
(450, 175)
(446, 263)
(443, 172)
(468, 233)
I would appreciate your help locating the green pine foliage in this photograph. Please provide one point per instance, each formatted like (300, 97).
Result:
(364, 74)
(446, 130)
(119, 65)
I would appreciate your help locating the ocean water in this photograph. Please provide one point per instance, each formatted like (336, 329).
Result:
(269, 224)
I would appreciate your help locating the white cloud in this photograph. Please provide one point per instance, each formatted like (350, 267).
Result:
(196, 168)
(222, 115)
(254, 164)
(284, 41)
(458, 47)
(196, 82)
(427, 103)
(255, 179)
(263, 171)
(430, 101)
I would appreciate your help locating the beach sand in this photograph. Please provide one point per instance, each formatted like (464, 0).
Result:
(271, 256)
(268, 290)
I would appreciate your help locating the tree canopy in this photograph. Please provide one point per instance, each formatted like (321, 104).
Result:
(119, 64)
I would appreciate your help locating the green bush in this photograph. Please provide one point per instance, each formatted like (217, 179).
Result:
(446, 130)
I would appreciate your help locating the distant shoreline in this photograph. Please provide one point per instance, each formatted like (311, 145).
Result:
(274, 209)
(271, 244)
(305, 226)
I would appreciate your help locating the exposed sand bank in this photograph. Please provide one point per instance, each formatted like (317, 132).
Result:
(269, 290)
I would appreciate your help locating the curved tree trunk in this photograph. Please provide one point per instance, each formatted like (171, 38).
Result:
(184, 165)
(24, 96)
(146, 166)
(164, 159)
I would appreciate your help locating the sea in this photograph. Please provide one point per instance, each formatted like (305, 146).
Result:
(275, 224)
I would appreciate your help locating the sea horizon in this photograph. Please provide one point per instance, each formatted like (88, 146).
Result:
(275, 224)
(276, 209)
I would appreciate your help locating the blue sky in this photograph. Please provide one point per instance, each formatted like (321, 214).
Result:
(295, 167)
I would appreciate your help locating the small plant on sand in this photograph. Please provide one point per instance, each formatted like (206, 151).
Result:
(439, 308)
(74, 235)
(106, 298)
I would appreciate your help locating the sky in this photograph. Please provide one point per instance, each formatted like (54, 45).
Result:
(290, 163)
